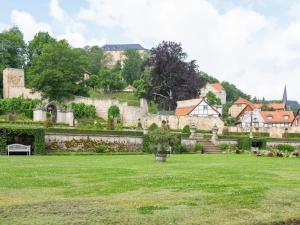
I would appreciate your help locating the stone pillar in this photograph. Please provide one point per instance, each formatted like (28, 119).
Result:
(214, 138)
(193, 131)
(39, 115)
(70, 118)
(144, 105)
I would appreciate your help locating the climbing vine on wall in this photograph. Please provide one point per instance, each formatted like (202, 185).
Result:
(37, 133)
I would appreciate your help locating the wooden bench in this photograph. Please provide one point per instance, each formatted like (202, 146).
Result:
(19, 148)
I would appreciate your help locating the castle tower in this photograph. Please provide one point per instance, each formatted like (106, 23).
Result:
(12, 78)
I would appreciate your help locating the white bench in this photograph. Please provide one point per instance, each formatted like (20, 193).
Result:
(18, 148)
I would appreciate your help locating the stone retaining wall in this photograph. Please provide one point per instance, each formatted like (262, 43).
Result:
(87, 142)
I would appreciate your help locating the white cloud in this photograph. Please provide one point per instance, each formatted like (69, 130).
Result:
(241, 45)
(27, 24)
(73, 29)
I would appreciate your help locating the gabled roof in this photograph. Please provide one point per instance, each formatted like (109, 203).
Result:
(122, 47)
(243, 101)
(218, 86)
(277, 116)
(187, 106)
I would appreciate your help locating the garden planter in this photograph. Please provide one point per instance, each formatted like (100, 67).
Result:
(161, 157)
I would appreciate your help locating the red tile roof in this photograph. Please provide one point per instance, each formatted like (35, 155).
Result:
(183, 111)
(276, 106)
(242, 101)
(278, 116)
(218, 86)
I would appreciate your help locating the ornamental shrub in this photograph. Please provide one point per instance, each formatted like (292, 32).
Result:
(224, 146)
(286, 148)
(199, 147)
(114, 112)
(101, 149)
(244, 143)
(186, 130)
(153, 126)
(82, 110)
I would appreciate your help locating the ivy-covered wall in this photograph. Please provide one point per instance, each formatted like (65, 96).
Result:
(38, 146)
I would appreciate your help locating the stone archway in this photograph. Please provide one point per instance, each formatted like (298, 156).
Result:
(52, 109)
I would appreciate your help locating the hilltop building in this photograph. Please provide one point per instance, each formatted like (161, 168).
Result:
(116, 52)
(215, 88)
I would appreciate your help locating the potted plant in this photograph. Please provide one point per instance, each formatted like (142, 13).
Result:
(161, 154)
(160, 141)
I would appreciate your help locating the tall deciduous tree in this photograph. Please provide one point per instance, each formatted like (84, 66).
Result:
(172, 78)
(12, 50)
(58, 71)
(111, 80)
(96, 58)
(132, 66)
(36, 45)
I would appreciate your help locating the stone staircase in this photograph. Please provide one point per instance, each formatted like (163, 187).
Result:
(209, 147)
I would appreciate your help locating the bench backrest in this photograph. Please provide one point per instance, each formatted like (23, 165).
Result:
(17, 146)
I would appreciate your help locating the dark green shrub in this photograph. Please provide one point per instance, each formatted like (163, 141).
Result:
(110, 124)
(286, 148)
(48, 123)
(180, 149)
(244, 143)
(199, 147)
(82, 110)
(293, 135)
(152, 127)
(114, 112)
(101, 149)
(186, 130)
(260, 143)
(224, 146)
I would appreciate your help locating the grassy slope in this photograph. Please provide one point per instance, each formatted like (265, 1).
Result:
(188, 189)
(130, 98)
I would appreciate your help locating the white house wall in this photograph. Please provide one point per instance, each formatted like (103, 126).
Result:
(203, 109)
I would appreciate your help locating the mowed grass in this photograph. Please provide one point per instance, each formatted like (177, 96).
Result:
(134, 189)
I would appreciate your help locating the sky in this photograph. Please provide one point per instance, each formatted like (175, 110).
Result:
(254, 44)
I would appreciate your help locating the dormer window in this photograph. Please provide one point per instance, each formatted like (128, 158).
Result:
(285, 117)
(270, 117)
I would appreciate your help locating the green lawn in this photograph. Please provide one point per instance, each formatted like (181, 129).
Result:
(134, 189)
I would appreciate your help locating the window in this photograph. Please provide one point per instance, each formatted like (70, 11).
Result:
(286, 117)
(205, 107)
(270, 117)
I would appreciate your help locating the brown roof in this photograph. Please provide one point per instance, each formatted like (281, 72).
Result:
(243, 101)
(218, 86)
(277, 116)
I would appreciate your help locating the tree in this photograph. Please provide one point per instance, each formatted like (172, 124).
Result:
(142, 85)
(111, 80)
(172, 78)
(132, 66)
(94, 81)
(96, 58)
(233, 93)
(212, 99)
(12, 50)
(58, 71)
(36, 45)
(208, 78)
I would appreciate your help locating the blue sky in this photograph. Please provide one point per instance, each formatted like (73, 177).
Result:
(254, 44)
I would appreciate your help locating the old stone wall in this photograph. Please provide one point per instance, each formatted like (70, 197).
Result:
(178, 122)
(86, 142)
(275, 132)
(130, 115)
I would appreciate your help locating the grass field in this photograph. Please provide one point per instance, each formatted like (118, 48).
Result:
(133, 189)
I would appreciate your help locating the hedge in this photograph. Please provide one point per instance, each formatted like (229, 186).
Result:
(245, 143)
(18, 105)
(255, 134)
(37, 133)
(94, 131)
(82, 110)
(293, 135)
(20, 122)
